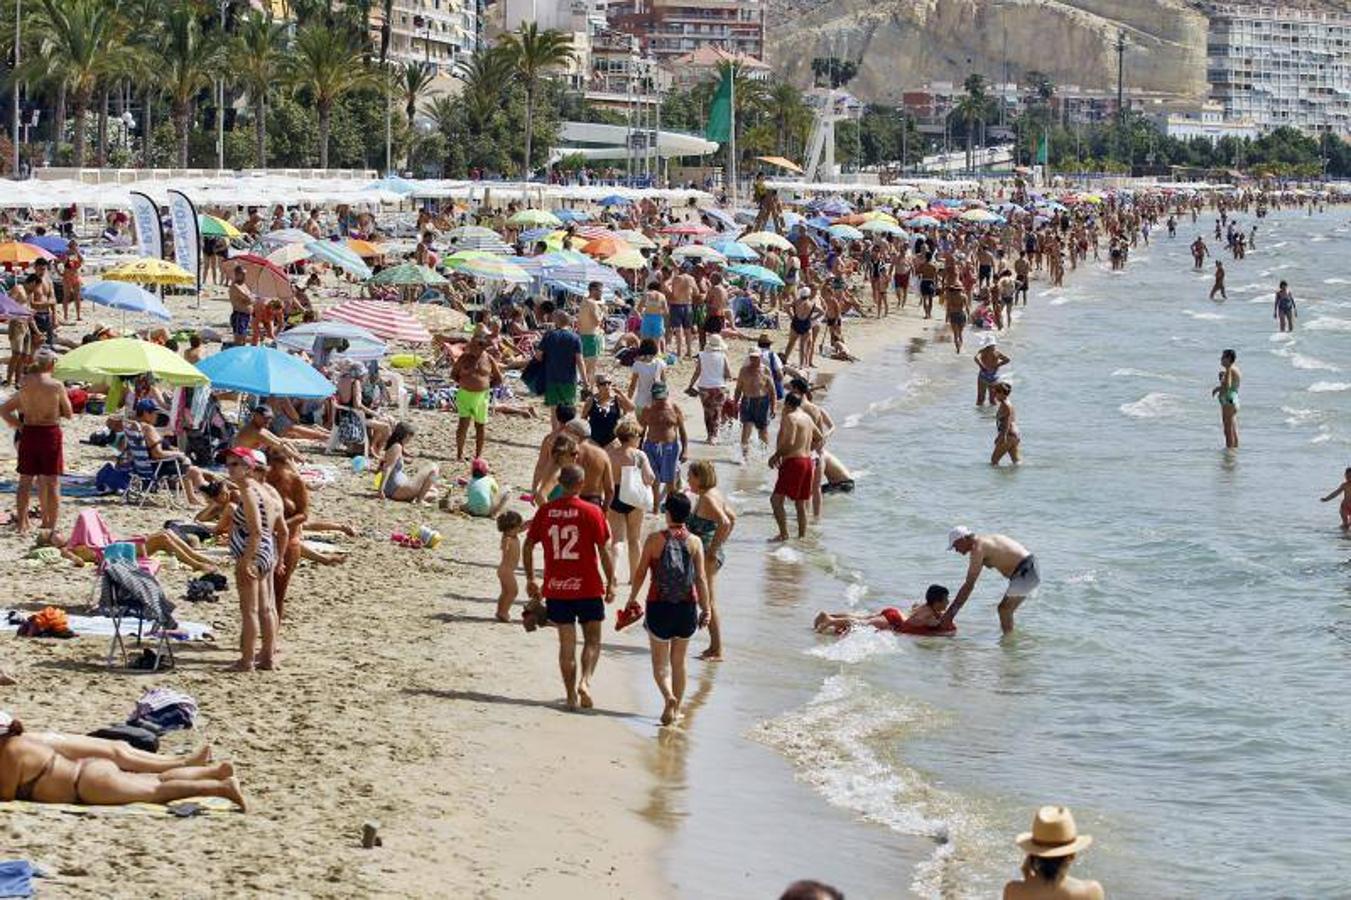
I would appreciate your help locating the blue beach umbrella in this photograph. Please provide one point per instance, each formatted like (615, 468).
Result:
(757, 273)
(572, 215)
(392, 183)
(735, 250)
(56, 246)
(614, 200)
(265, 372)
(127, 297)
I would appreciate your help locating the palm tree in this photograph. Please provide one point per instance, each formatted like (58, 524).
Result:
(792, 119)
(80, 43)
(256, 57)
(971, 108)
(187, 64)
(485, 77)
(533, 52)
(328, 64)
(413, 81)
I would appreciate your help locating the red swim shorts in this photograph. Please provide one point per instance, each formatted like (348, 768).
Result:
(895, 618)
(40, 450)
(795, 478)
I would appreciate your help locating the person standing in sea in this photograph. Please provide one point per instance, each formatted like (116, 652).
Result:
(1284, 312)
(1218, 286)
(798, 437)
(1227, 393)
(993, 551)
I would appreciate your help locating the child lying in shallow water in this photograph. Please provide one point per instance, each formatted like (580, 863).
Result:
(922, 615)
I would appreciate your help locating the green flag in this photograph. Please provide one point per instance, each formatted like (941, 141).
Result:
(1043, 152)
(720, 113)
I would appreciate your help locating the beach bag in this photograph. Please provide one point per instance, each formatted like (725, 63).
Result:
(675, 571)
(632, 490)
(532, 376)
(349, 430)
(112, 480)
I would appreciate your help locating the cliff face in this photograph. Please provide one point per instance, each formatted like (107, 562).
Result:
(903, 43)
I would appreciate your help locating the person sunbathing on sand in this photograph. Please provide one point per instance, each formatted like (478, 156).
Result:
(58, 768)
(921, 615)
(163, 541)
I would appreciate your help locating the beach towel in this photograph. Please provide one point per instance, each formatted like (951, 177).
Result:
(16, 878)
(166, 708)
(316, 476)
(102, 626)
(71, 486)
(193, 806)
(90, 530)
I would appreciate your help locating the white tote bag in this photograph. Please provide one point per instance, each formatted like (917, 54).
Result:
(632, 490)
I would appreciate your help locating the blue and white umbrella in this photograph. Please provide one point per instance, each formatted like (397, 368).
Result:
(735, 250)
(362, 344)
(391, 183)
(127, 297)
(757, 273)
(339, 255)
(265, 372)
(845, 232)
(614, 200)
(573, 215)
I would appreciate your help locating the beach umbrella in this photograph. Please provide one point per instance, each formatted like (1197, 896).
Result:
(408, 274)
(537, 217)
(365, 249)
(881, 226)
(607, 246)
(757, 273)
(729, 222)
(12, 309)
(923, 222)
(636, 239)
(981, 217)
(265, 372)
(476, 237)
(288, 254)
(531, 236)
(264, 278)
(460, 256)
(393, 183)
(582, 272)
(629, 259)
(688, 229)
(211, 226)
(382, 319)
(287, 236)
(126, 297)
(765, 239)
(150, 271)
(700, 252)
(854, 219)
(555, 241)
(572, 215)
(439, 319)
(735, 250)
(336, 254)
(22, 254)
(362, 343)
(845, 232)
(833, 206)
(493, 269)
(874, 215)
(614, 200)
(127, 357)
(56, 246)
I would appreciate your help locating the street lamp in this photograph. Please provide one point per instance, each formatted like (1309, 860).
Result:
(15, 137)
(220, 97)
(128, 123)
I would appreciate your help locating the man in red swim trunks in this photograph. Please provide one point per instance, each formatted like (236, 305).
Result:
(36, 410)
(798, 437)
(923, 618)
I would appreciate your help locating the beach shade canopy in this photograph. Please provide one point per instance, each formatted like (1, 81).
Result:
(362, 344)
(337, 255)
(408, 274)
(56, 246)
(492, 268)
(757, 273)
(147, 270)
(614, 200)
(735, 250)
(11, 309)
(212, 226)
(535, 217)
(265, 372)
(126, 297)
(127, 358)
(699, 252)
(607, 246)
(382, 319)
(687, 229)
(288, 254)
(765, 239)
(22, 254)
(265, 279)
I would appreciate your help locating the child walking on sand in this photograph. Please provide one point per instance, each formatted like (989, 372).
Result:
(1345, 493)
(510, 525)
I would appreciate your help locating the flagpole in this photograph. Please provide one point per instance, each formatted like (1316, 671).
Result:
(731, 136)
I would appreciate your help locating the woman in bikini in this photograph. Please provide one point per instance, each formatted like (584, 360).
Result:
(711, 520)
(1227, 393)
(56, 768)
(626, 520)
(1007, 439)
(70, 281)
(988, 361)
(395, 483)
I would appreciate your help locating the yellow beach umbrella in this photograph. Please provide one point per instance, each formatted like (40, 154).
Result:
(147, 270)
(127, 357)
(629, 259)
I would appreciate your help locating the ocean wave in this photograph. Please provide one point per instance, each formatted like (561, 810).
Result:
(857, 645)
(1337, 280)
(1204, 316)
(1309, 363)
(1154, 405)
(1298, 416)
(1328, 387)
(1140, 373)
(1328, 323)
(788, 555)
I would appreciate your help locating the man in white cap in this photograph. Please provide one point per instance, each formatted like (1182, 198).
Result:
(993, 551)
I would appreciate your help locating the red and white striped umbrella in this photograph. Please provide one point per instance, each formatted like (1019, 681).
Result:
(687, 229)
(382, 319)
(592, 232)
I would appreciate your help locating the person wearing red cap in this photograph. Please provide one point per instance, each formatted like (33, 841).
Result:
(483, 495)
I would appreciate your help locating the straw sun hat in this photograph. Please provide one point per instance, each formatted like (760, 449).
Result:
(1053, 834)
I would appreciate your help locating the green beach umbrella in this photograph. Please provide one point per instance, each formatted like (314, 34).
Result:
(127, 357)
(408, 274)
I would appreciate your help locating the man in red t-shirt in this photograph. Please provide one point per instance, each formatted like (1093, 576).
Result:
(574, 535)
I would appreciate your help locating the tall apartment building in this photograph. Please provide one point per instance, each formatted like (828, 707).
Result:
(674, 28)
(1275, 66)
(440, 32)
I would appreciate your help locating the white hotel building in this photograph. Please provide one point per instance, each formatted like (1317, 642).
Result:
(1274, 66)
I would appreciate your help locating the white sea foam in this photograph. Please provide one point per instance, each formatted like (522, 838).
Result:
(1154, 405)
(1089, 577)
(1281, 336)
(1321, 437)
(852, 420)
(1328, 323)
(1328, 387)
(788, 555)
(1337, 280)
(1300, 361)
(1140, 373)
(855, 592)
(1297, 416)
(1204, 316)
(857, 645)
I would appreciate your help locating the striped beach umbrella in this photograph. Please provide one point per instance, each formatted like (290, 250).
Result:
(288, 254)
(212, 226)
(735, 250)
(535, 217)
(687, 229)
(385, 320)
(699, 252)
(492, 269)
(408, 274)
(337, 255)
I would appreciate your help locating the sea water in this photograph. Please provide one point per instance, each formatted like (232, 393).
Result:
(1180, 680)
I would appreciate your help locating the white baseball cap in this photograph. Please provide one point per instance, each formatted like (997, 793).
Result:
(957, 533)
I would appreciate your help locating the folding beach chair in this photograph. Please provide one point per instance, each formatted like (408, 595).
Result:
(127, 591)
(147, 473)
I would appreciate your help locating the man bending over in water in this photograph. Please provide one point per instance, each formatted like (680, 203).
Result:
(922, 615)
(993, 551)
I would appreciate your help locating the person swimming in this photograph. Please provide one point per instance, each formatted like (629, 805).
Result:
(920, 618)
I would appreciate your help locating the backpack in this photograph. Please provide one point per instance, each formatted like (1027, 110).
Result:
(674, 571)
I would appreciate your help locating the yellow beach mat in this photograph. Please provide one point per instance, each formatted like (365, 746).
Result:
(193, 806)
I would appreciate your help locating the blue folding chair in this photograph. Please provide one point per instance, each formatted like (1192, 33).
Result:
(148, 473)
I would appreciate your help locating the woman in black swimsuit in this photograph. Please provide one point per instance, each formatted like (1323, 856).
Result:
(604, 409)
(55, 768)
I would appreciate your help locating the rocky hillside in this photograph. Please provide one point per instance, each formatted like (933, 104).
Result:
(903, 43)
